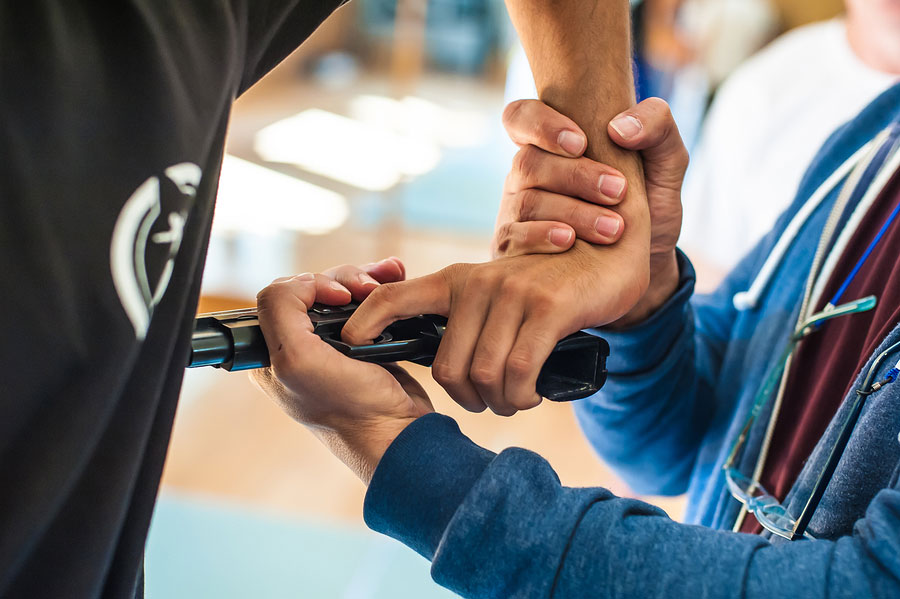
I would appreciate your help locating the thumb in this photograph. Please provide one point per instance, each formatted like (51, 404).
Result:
(650, 128)
(286, 327)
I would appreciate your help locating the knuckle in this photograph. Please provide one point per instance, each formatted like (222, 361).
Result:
(519, 365)
(510, 185)
(263, 295)
(515, 287)
(663, 120)
(531, 238)
(384, 294)
(543, 131)
(503, 239)
(484, 374)
(525, 164)
(658, 105)
(505, 232)
(344, 272)
(345, 268)
(445, 373)
(458, 270)
(271, 294)
(657, 111)
(454, 277)
(529, 200)
(511, 113)
(574, 213)
(577, 176)
(546, 302)
(483, 276)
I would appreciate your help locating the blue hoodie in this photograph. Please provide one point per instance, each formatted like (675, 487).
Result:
(680, 388)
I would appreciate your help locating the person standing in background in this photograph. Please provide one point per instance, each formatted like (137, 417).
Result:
(769, 119)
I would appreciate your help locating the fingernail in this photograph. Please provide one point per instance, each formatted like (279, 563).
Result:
(627, 126)
(365, 279)
(572, 142)
(612, 186)
(560, 237)
(307, 276)
(606, 225)
(338, 287)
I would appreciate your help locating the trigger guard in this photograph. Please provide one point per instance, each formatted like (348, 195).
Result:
(346, 348)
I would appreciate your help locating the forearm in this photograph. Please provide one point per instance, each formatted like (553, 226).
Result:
(580, 54)
(504, 526)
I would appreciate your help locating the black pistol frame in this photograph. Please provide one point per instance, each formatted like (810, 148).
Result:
(233, 341)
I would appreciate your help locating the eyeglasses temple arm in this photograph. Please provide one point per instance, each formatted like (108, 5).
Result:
(825, 477)
(838, 450)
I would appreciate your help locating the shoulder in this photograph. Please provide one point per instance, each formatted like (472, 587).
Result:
(806, 39)
(779, 61)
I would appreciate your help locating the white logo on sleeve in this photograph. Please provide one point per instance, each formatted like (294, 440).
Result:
(142, 252)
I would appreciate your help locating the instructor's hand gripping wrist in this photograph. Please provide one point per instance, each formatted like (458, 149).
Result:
(555, 189)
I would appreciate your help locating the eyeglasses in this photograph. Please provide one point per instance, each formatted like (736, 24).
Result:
(763, 505)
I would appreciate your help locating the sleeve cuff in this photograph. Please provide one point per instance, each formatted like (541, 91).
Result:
(638, 348)
(421, 480)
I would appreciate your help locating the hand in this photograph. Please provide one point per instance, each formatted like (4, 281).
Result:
(545, 183)
(505, 317)
(355, 408)
(543, 208)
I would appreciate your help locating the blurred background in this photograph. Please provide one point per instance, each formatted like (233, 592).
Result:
(381, 137)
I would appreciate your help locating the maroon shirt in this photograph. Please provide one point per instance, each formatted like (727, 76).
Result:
(827, 362)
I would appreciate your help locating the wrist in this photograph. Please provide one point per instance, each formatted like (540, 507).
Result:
(362, 445)
(664, 275)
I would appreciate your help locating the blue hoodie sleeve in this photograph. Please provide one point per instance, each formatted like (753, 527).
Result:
(503, 526)
(648, 421)
(652, 416)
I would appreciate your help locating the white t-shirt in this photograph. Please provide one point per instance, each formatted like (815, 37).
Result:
(767, 122)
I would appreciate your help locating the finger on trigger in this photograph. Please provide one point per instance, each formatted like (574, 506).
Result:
(531, 122)
(395, 301)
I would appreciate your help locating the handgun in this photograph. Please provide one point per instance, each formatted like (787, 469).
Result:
(233, 341)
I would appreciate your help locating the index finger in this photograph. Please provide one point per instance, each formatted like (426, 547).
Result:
(533, 122)
(391, 302)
